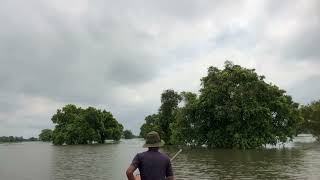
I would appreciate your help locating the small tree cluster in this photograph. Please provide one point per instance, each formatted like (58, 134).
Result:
(127, 134)
(45, 135)
(75, 125)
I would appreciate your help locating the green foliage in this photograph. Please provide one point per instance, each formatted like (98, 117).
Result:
(311, 116)
(128, 134)
(45, 135)
(167, 112)
(82, 126)
(236, 108)
(162, 121)
(183, 130)
(151, 124)
(32, 139)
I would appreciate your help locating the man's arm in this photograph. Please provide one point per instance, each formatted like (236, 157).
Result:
(134, 165)
(130, 171)
(169, 171)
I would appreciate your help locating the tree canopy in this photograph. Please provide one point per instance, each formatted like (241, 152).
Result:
(161, 121)
(75, 125)
(45, 135)
(151, 124)
(235, 108)
(128, 134)
(311, 116)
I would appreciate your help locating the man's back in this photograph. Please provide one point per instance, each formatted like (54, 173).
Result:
(153, 165)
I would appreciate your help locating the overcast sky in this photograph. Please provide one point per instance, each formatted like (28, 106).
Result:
(120, 55)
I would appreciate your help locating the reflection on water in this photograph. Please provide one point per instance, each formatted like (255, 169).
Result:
(235, 164)
(39, 161)
(108, 161)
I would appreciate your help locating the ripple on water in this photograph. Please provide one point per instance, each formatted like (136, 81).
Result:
(41, 161)
(294, 162)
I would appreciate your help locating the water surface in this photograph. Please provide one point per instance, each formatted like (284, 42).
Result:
(41, 161)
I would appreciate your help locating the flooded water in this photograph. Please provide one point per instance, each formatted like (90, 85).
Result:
(40, 161)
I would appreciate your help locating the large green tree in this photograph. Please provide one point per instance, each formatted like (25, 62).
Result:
(45, 135)
(75, 125)
(167, 112)
(162, 121)
(183, 130)
(311, 116)
(236, 108)
(151, 124)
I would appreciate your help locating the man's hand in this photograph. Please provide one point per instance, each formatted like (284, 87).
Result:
(130, 171)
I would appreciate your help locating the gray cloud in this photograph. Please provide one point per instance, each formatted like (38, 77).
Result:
(62, 62)
(303, 46)
(293, 27)
(307, 90)
(121, 55)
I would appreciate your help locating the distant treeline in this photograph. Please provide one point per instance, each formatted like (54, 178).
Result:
(16, 139)
(127, 134)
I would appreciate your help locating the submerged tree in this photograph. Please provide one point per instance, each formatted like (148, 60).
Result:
(166, 116)
(311, 116)
(128, 134)
(183, 128)
(45, 135)
(167, 112)
(236, 108)
(151, 124)
(75, 125)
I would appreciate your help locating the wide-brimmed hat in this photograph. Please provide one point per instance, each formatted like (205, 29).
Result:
(153, 140)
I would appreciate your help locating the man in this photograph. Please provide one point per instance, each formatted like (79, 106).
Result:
(152, 164)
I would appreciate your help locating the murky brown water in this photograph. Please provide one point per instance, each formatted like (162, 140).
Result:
(40, 161)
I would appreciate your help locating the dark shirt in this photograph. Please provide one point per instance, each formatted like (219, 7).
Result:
(153, 165)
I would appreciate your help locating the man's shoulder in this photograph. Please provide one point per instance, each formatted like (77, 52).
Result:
(158, 153)
(164, 156)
